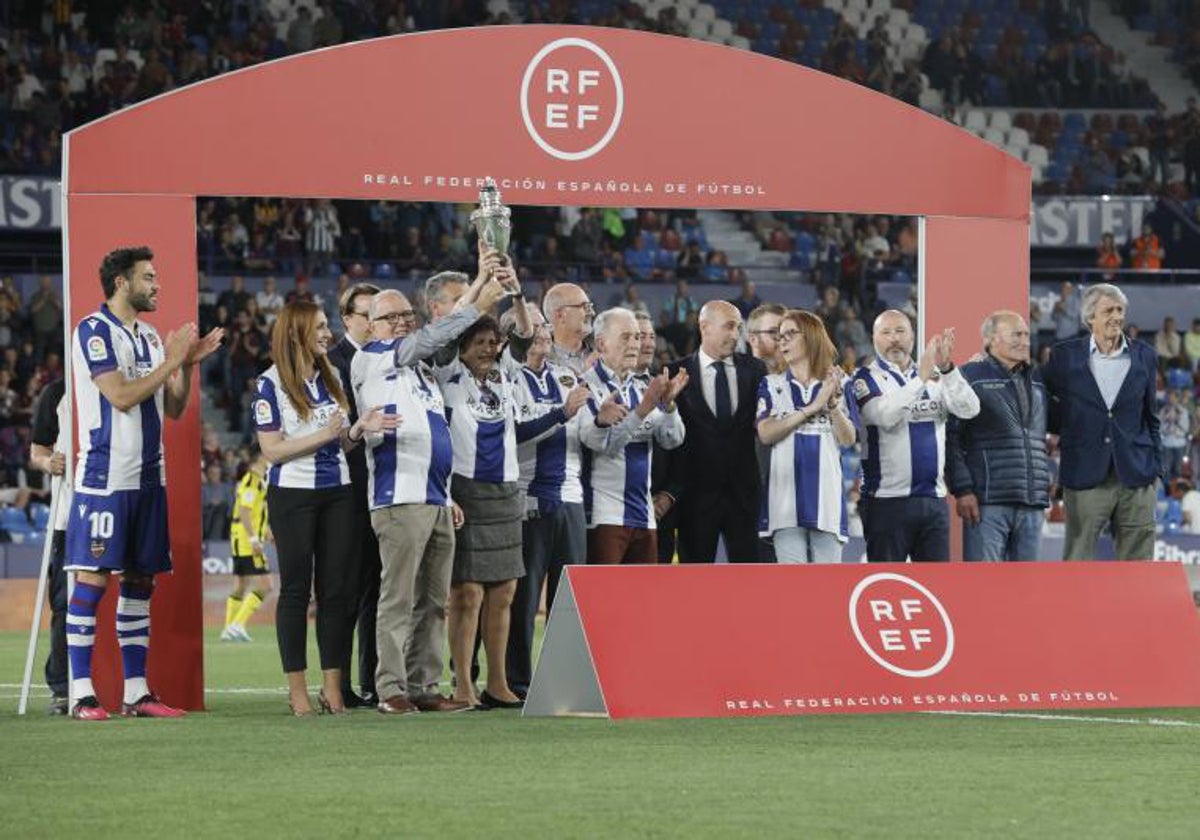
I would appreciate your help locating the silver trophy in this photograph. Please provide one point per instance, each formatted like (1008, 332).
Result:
(493, 224)
(492, 219)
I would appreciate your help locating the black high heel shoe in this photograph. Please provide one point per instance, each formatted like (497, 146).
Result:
(327, 708)
(489, 702)
(300, 714)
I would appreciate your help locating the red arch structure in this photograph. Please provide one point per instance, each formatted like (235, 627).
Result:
(559, 116)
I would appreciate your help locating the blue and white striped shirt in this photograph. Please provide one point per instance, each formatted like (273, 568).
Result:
(548, 446)
(118, 450)
(482, 419)
(905, 423)
(616, 467)
(805, 488)
(274, 412)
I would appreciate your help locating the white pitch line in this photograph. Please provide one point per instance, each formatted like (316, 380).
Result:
(1076, 718)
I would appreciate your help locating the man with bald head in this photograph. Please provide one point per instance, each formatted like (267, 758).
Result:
(904, 407)
(569, 314)
(996, 464)
(719, 477)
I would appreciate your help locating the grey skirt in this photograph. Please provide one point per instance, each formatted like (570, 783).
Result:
(487, 549)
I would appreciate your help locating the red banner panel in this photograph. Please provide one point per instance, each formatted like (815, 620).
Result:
(728, 641)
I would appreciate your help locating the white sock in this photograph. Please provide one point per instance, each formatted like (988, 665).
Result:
(135, 689)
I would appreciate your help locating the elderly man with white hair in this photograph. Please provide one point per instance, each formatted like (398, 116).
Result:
(1103, 407)
(904, 406)
(996, 464)
(624, 417)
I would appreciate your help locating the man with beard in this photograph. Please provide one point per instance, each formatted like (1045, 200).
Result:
(126, 379)
(904, 407)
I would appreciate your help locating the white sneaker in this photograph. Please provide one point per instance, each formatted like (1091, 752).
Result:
(239, 634)
(227, 634)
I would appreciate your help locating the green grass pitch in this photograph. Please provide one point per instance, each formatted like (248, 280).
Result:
(247, 770)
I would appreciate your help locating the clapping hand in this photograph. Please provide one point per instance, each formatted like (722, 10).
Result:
(334, 424)
(575, 400)
(206, 346)
(375, 420)
(929, 359)
(611, 410)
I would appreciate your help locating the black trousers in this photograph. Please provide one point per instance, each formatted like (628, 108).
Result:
(550, 542)
(896, 529)
(56, 662)
(704, 520)
(363, 601)
(311, 528)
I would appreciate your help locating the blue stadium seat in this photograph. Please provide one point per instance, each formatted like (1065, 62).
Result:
(14, 521)
(40, 514)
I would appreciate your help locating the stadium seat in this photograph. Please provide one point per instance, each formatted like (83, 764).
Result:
(698, 29)
(931, 100)
(1037, 155)
(1001, 120)
(704, 12)
(899, 17)
(739, 42)
(721, 30)
(975, 122)
(1018, 137)
(994, 136)
(1038, 173)
(40, 514)
(14, 521)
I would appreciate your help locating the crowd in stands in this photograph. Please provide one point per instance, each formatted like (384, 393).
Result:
(30, 358)
(65, 64)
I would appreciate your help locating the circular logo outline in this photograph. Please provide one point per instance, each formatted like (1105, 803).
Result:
(616, 121)
(938, 666)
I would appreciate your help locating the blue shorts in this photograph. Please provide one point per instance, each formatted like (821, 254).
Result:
(122, 532)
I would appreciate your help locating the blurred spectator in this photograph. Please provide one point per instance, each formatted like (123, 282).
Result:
(1168, 342)
(1191, 345)
(214, 504)
(46, 316)
(1066, 313)
(269, 301)
(234, 298)
(1108, 256)
(1174, 424)
(1147, 250)
(324, 231)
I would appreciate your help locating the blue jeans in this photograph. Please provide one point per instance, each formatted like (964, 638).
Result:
(806, 545)
(1004, 532)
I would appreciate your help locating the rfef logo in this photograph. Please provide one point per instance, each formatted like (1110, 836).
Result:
(901, 625)
(572, 98)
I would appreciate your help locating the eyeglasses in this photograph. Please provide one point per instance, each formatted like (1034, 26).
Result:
(395, 318)
(788, 335)
(772, 333)
(586, 306)
(360, 314)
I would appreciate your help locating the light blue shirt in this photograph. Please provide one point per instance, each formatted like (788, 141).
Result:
(1109, 369)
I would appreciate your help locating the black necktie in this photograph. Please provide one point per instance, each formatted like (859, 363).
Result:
(724, 408)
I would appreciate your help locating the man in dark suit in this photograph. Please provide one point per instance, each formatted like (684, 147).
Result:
(719, 478)
(1103, 407)
(363, 548)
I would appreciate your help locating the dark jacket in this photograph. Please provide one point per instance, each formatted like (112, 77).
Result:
(341, 355)
(717, 463)
(1094, 439)
(999, 455)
